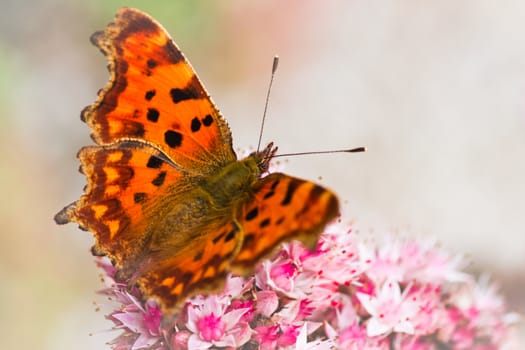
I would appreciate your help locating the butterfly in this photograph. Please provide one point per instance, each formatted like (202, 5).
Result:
(166, 199)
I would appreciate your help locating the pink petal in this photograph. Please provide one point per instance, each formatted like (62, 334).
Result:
(236, 286)
(267, 302)
(226, 341)
(197, 343)
(193, 317)
(404, 327)
(144, 341)
(367, 302)
(232, 318)
(132, 321)
(242, 333)
(375, 327)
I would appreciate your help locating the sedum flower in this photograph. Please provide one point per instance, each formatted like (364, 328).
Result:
(212, 325)
(348, 293)
(390, 310)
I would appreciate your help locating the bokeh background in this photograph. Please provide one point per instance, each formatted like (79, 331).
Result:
(434, 89)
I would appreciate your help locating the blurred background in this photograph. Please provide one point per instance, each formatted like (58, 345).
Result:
(434, 89)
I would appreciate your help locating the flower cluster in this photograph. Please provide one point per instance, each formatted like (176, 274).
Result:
(346, 294)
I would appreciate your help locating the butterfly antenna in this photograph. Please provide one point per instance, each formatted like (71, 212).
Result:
(274, 68)
(351, 150)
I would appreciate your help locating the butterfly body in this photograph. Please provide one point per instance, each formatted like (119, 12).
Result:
(232, 182)
(166, 199)
(216, 200)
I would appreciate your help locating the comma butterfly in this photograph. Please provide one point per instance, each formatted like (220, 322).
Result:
(166, 199)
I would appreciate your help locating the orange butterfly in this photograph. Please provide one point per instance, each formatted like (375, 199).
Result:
(166, 198)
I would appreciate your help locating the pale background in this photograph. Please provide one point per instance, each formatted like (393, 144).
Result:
(434, 89)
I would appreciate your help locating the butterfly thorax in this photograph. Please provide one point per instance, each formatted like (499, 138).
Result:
(234, 181)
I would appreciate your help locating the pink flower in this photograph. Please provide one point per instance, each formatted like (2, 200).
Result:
(337, 259)
(288, 335)
(143, 322)
(389, 311)
(276, 336)
(408, 260)
(212, 326)
(266, 336)
(348, 293)
(285, 274)
(427, 310)
(477, 317)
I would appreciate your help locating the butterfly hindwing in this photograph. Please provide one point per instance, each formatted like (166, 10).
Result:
(155, 96)
(124, 184)
(282, 208)
(200, 265)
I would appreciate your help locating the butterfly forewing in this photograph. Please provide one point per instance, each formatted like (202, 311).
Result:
(155, 96)
(283, 208)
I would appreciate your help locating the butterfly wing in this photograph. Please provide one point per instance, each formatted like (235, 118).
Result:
(154, 96)
(200, 265)
(282, 208)
(157, 131)
(121, 198)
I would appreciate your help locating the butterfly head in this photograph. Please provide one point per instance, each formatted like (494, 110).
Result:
(262, 158)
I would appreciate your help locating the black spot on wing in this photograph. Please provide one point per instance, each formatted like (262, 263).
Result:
(173, 138)
(154, 162)
(198, 256)
(268, 195)
(190, 92)
(195, 124)
(252, 214)
(151, 63)
(315, 193)
(230, 236)
(264, 223)
(216, 239)
(207, 120)
(153, 115)
(139, 197)
(150, 94)
(292, 187)
(159, 180)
